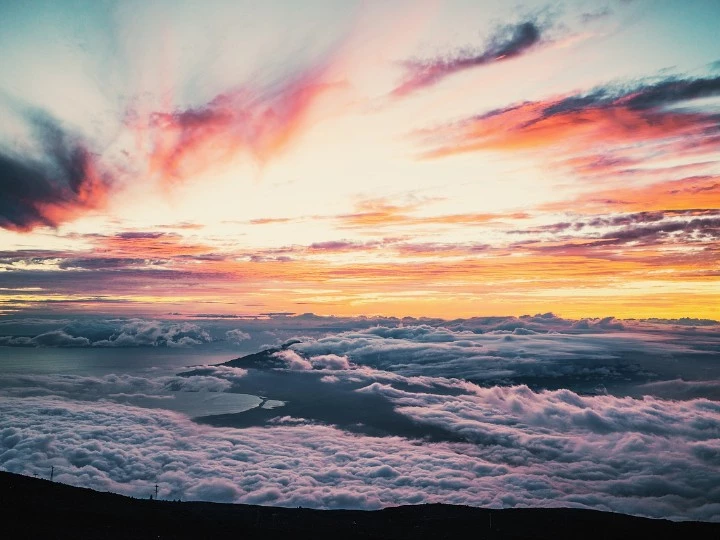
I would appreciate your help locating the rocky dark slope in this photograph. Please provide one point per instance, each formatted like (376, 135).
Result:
(35, 508)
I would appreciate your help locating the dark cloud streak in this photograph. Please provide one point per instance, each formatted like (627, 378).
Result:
(508, 41)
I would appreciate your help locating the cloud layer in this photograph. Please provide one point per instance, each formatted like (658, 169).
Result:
(496, 411)
(117, 333)
(543, 351)
(646, 457)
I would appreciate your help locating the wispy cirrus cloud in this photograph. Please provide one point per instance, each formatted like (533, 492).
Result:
(60, 175)
(381, 212)
(506, 42)
(375, 213)
(257, 120)
(684, 194)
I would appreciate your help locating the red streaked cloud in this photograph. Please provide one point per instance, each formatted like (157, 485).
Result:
(598, 128)
(269, 221)
(261, 122)
(383, 212)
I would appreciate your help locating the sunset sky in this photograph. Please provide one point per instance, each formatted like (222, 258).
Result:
(338, 254)
(440, 159)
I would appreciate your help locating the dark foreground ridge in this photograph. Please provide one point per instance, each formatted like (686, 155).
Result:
(35, 508)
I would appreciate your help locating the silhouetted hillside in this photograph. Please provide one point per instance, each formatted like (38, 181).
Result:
(35, 508)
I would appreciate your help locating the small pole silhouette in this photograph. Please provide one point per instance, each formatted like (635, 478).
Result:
(156, 491)
(52, 473)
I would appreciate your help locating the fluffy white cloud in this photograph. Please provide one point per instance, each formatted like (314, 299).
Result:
(294, 361)
(237, 336)
(551, 359)
(330, 361)
(139, 333)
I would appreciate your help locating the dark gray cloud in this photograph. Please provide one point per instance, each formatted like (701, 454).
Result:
(95, 263)
(601, 235)
(648, 96)
(700, 228)
(507, 41)
(592, 16)
(674, 91)
(53, 186)
(617, 220)
(135, 235)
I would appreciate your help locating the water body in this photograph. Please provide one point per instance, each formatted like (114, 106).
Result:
(38, 366)
(103, 361)
(196, 404)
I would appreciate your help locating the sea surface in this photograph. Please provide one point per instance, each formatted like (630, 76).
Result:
(151, 363)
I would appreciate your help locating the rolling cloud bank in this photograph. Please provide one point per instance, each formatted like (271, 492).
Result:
(513, 411)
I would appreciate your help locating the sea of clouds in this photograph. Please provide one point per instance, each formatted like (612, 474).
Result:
(605, 415)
